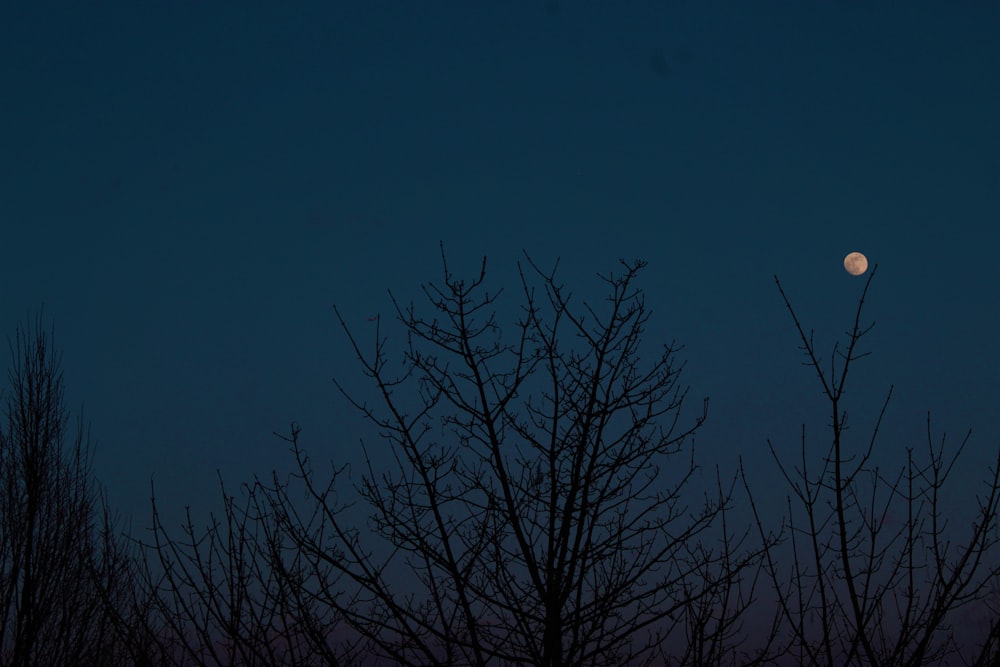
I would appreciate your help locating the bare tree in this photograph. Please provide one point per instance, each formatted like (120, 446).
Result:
(57, 539)
(227, 594)
(860, 591)
(537, 507)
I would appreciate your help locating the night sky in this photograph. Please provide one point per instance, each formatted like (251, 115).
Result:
(188, 188)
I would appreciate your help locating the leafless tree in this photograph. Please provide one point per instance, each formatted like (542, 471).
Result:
(58, 541)
(227, 594)
(852, 588)
(540, 506)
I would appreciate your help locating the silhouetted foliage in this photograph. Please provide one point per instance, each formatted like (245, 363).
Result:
(59, 544)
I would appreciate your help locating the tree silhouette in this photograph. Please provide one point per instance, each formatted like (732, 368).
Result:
(856, 590)
(58, 540)
(535, 502)
(532, 498)
(222, 595)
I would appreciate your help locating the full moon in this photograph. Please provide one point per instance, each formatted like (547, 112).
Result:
(856, 263)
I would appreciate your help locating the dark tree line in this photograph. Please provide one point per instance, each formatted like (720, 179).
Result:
(543, 505)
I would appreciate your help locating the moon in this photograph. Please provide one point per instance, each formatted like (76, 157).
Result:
(856, 263)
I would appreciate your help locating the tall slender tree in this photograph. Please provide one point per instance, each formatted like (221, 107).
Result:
(57, 540)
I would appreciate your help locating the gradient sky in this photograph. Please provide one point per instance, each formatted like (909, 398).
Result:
(187, 188)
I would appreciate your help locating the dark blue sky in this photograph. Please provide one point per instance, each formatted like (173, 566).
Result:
(189, 187)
